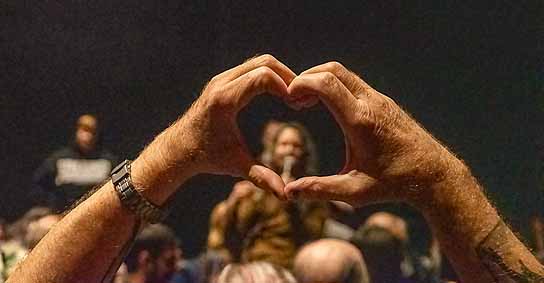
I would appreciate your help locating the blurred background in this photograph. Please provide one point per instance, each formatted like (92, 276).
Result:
(471, 73)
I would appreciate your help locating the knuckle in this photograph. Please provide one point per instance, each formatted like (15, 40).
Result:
(262, 76)
(389, 100)
(214, 81)
(384, 105)
(264, 72)
(317, 187)
(328, 79)
(388, 108)
(219, 99)
(334, 66)
(267, 60)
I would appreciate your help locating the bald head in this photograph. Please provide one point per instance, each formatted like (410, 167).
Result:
(390, 222)
(330, 261)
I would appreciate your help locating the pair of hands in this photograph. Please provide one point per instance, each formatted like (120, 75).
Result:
(388, 155)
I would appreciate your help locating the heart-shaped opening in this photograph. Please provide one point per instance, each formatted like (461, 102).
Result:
(319, 122)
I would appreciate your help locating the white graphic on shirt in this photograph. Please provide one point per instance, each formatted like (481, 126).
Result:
(82, 172)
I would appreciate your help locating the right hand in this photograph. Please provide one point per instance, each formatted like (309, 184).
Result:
(389, 156)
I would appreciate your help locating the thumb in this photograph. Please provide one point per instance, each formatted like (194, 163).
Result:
(241, 164)
(266, 179)
(245, 166)
(355, 188)
(261, 176)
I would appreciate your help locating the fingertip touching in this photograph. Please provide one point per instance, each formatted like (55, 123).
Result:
(262, 80)
(277, 66)
(266, 179)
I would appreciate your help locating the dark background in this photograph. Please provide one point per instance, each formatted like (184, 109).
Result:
(472, 73)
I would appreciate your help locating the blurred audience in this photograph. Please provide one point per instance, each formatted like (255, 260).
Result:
(384, 251)
(267, 140)
(3, 228)
(37, 229)
(71, 171)
(536, 225)
(22, 236)
(206, 268)
(334, 226)
(330, 261)
(255, 272)
(155, 257)
(384, 240)
(253, 225)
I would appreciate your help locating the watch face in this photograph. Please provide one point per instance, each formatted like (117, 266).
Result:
(131, 198)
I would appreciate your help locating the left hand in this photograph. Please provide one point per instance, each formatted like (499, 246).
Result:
(207, 138)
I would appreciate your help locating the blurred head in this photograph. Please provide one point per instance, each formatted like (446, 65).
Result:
(211, 265)
(293, 140)
(269, 132)
(38, 228)
(18, 229)
(267, 140)
(385, 252)
(3, 233)
(255, 272)
(330, 261)
(86, 133)
(155, 253)
(394, 224)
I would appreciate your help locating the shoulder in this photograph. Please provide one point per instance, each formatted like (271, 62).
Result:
(62, 152)
(106, 154)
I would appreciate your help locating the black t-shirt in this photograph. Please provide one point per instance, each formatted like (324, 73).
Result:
(67, 174)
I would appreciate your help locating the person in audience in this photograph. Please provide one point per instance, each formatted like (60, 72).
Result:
(389, 157)
(14, 248)
(38, 228)
(382, 240)
(3, 230)
(330, 261)
(253, 224)
(155, 257)
(18, 229)
(255, 272)
(267, 140)
(68, 173)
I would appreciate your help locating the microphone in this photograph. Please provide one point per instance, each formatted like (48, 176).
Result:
(288, 163)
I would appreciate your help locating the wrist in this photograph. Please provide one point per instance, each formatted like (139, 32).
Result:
(442, 178)
(451, 197)
(165, 164)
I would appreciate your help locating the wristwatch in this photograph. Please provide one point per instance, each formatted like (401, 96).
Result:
(131, 198)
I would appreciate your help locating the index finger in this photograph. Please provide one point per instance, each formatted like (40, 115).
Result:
(261, 61)
(352, 82)
(330, 90)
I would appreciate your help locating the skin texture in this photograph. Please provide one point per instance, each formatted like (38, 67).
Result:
(388, 157)
(205, 139)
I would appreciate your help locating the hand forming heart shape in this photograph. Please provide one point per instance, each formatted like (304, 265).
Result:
(386, 151)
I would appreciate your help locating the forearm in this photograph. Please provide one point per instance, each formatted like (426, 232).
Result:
(92, 237)
(96, 232)
(480, 246)
(87, 242)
